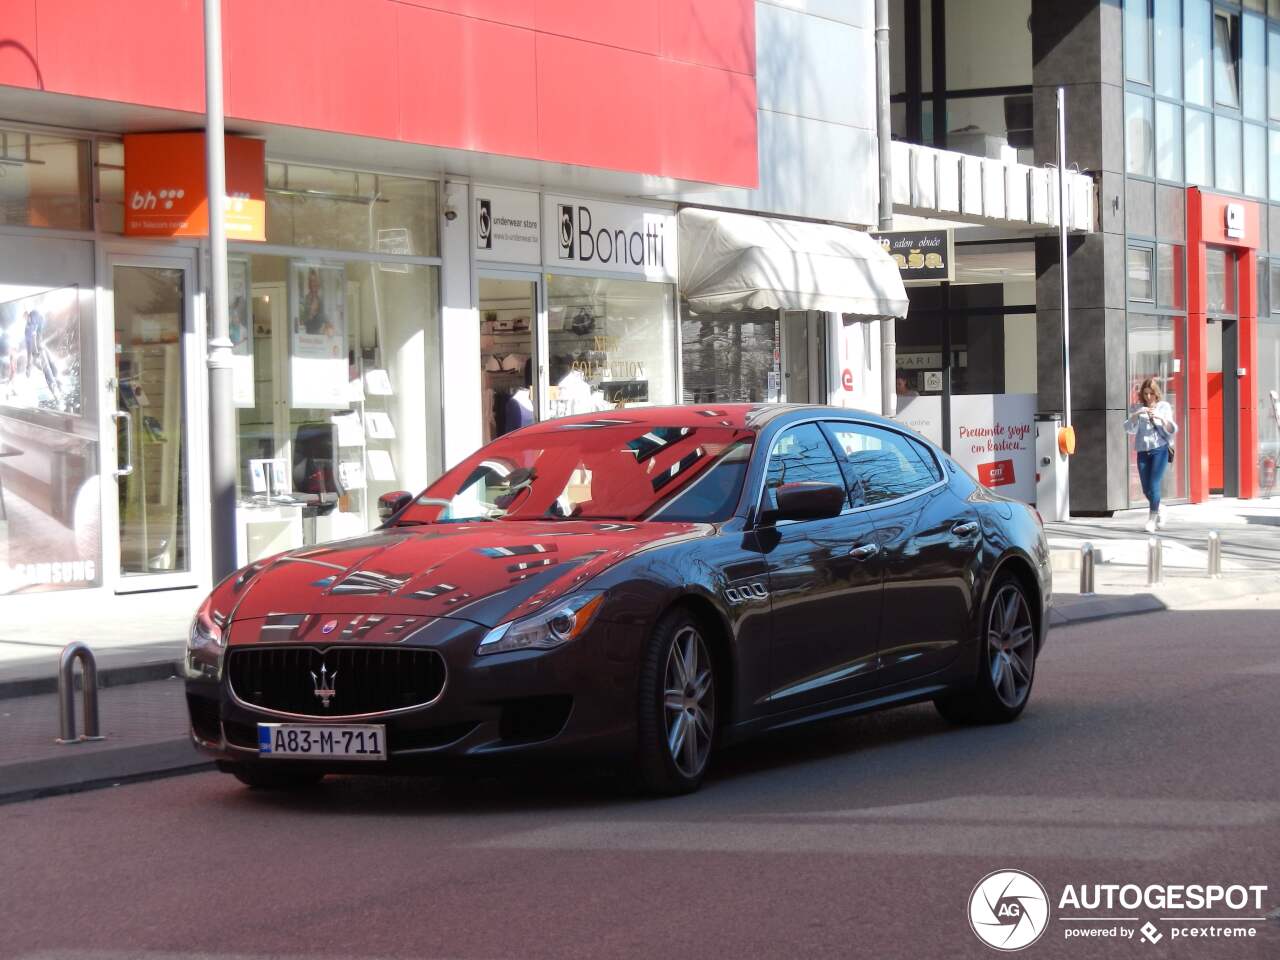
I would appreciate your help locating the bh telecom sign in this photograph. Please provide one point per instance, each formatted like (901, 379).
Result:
(165, 192)
(617, 237)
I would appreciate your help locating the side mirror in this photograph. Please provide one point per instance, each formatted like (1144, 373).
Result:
(809, 501)
(389, 504)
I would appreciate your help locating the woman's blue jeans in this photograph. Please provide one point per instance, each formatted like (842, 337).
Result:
(1151, 467)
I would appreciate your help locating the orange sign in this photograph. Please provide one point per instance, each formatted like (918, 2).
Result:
(165, 193)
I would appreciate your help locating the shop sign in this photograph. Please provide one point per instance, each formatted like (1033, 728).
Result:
(993, 436)
(614, 237)
(921, 254)
(506, 225)
(1234, 217)
(165, 191)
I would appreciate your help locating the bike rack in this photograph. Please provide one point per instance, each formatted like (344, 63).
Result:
(67, 692)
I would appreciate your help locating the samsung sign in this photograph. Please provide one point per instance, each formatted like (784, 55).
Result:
(613, 237)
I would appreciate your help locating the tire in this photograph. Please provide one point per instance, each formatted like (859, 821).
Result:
(677, 708)
(1006, 661)
(263, 778)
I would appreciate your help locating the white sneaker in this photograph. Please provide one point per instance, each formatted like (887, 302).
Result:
(1150, 525)
(1160, 519)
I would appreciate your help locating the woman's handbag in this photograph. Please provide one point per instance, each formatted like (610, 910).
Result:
(1171, 453)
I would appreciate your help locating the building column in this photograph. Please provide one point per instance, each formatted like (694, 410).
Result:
(1197, 425)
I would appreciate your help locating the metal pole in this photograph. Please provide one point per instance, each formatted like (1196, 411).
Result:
(1215, 554)
(67, 694)
(1155, 561)
(222, 419)
(884, 138)
(1087, 560)
(1063, 278)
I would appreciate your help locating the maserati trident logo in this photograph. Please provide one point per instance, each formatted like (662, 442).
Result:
(1008, 910)
(323, 684)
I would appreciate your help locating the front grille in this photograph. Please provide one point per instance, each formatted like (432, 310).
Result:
(362, 679)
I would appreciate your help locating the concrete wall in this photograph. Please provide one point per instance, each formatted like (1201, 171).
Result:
(815, 83)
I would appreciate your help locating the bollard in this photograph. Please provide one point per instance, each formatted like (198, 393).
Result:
(1086, 568)
(1215, 554)
(1155, 561)
(67, 693)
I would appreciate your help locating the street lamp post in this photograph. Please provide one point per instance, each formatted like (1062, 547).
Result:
(222, 427)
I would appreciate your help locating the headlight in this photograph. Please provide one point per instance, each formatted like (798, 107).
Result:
(206, 643)
(556, 625)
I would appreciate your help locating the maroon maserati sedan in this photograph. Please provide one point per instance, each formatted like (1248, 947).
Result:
(642, 585)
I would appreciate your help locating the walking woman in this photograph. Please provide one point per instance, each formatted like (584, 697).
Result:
(1151, 424)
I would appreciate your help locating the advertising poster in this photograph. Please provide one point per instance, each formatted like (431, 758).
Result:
(993, 436)
(240, 306)
(317, 336)
(40, 352)
(50, 525)
(923, 415)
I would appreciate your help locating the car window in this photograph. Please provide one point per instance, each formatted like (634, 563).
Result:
(881, 464)
(711, 497)
(800, 454)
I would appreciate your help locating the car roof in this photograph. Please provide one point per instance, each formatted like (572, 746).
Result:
(734, 416)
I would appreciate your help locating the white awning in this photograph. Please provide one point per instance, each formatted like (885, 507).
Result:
(732, 261)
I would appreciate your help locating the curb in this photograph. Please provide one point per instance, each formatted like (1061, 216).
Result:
(107, 677)
(1101, 606)
(54, 776)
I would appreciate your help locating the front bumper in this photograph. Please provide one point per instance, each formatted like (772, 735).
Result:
(575, 701)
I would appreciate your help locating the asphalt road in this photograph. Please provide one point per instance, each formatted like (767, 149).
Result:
(1148, 755)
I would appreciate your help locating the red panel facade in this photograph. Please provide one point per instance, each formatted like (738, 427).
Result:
(663, 88)
(1207, 223)
(18, 51)
(139, 51)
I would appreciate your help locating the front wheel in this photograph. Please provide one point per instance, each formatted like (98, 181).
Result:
(1007, 666)
(677, 709)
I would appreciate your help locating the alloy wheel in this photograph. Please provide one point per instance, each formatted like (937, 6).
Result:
(1011, 642)
(689, 701)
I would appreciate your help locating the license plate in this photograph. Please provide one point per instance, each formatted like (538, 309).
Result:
(313, 741)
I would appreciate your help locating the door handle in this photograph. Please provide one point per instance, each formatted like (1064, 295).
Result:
(127, 469)
(965, 528)
(865, 552)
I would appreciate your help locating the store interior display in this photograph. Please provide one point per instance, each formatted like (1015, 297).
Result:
(507, 309)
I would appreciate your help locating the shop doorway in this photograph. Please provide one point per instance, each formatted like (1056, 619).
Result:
(509, 329)
(150, 539)
(804, 356)
(1222, 349)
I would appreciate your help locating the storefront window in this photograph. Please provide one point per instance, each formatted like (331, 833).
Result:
(731, 357)
(611, 343)
(1199, 141)
(1255, 160)
(349, 210)
(1139, 136)
(1268, 381)
(1157, 349)
(1253, 66)
(1226, 58)
(1196, 27)
(1141, 279)
(336, 384)
(1168, 141)
(110, 170)
(1228, 154)
(1168, 53)
(44, 181)
(1137, 42)
(1170, 275)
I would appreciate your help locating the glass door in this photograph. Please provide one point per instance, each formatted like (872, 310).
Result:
(148, 416)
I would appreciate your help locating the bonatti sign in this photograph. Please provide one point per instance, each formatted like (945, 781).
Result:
(616, 237)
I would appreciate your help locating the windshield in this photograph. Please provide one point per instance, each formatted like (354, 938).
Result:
(609, 472)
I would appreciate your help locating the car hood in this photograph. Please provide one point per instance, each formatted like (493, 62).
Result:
(486, 572)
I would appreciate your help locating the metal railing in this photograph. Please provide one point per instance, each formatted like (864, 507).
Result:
(67, 693)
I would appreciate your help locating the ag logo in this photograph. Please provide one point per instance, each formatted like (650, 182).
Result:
(1008, 910)
(484, 225)
(566, 231)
